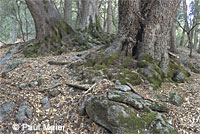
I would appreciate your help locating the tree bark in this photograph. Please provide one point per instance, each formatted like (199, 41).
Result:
(109, 14)
(89, 16)
(45, 17)
(173, 38)
(68, 12)
(186, 26)
(147, 24)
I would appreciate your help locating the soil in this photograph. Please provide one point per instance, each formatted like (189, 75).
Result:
(64, 108)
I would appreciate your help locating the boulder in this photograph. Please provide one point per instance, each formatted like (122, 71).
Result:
(119, 117)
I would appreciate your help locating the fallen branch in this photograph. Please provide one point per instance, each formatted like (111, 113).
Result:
(57, 63)
(173, 55)
(131, 86)
(75, 85)
(45, 89)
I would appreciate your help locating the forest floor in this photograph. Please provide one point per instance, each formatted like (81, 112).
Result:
(33, 79)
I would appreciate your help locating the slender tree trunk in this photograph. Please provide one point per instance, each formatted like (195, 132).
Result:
(68, 12)
(19, 19)
(140, 23)
(173, 38)
(196, 38)
(186, 26)
(26, 20)
(109, 14)
(89, 16)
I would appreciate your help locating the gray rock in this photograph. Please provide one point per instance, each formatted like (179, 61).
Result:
(46, 106)
(12, 66)
(161, 126)
(44, 100)
(57, 76)
(5, 109)
(23, 112)
(150, 88)
(133, 100)
(124, 88)
(33, 83)
(45, 103)
(54, 93)
(136, 101)
(178, 77)
(40, 82)
(22, 85)
(176, 99)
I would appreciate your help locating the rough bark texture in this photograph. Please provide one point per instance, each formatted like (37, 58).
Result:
(147, 23)
(45, 17)
(68, 12)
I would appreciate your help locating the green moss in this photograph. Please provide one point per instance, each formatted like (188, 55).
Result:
(158, 76)
(134, 123)
(146, 58)
(111, 60)
(142, 63)
(174, 67)
(129, 76)
(156, 80)
(127, 62)
(149, 117)
(192, 67)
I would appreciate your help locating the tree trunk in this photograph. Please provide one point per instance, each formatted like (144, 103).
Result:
(173, 38)
(186, 26)
(89, 16)
(196, 38)
(109, 14)
(50, 27)
(68, 12)
(147, 25)
(45, 17)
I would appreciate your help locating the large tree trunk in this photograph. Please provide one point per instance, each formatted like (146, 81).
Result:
(68, 11)
(89, 16)
(45, 17)
(50, 27)
(147, 24)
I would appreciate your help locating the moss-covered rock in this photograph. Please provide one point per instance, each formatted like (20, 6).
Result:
(120, 118)
(192, 67)
(175, 68)
(150, 71)
(127, 76)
